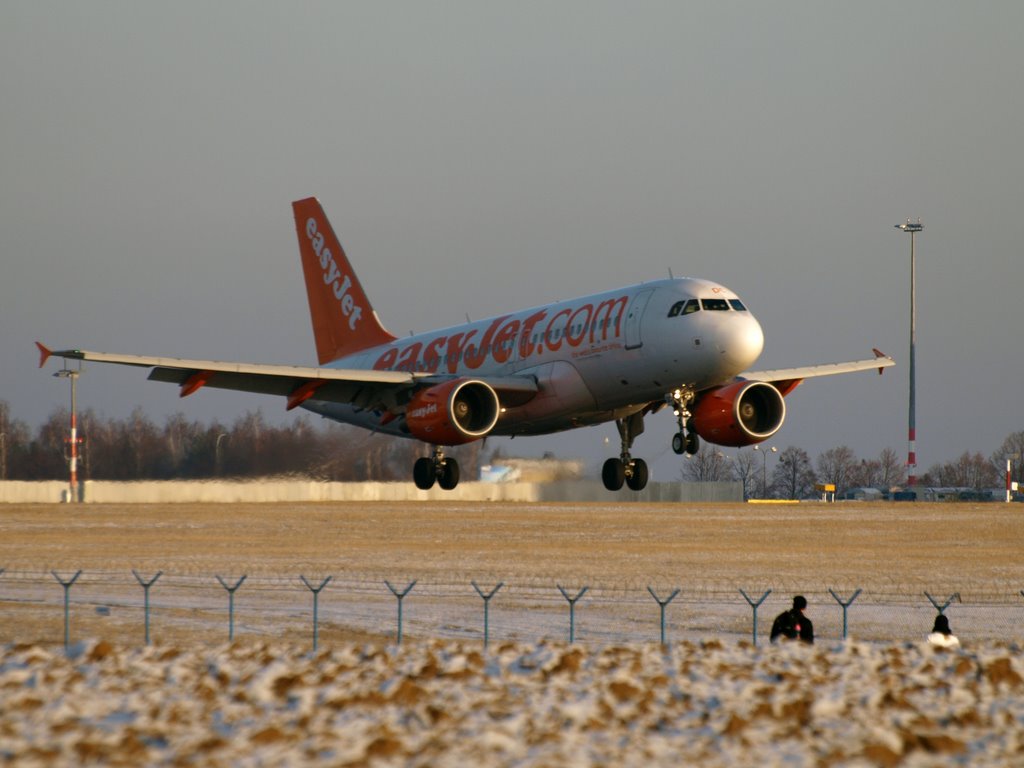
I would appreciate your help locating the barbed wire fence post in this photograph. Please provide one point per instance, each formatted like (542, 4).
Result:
(487, 603)
(661, 604)
(316, 597)
(845, 605)
(755, 605)
(231, 604)
(572, 610)
(401, 596)
(67, 599)
(942, 609)
(145, 589)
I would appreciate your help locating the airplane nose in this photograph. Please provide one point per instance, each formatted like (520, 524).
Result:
(740, 342)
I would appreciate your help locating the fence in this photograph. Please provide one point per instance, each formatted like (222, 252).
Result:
(183, 609)
(273, 490)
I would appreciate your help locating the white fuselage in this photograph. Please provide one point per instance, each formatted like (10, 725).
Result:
(594, 358)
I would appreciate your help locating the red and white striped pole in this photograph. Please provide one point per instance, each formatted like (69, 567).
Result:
(73, 461)
(73, 447)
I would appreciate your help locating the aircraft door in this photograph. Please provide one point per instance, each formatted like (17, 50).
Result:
(633, 316)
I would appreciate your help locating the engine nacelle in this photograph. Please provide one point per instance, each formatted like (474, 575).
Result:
(456, 412)
(742, 413)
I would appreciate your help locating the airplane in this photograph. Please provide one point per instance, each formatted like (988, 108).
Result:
(619, 356)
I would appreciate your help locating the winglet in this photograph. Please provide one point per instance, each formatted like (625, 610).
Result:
(879, 353)
(44, 353)
(194, 382)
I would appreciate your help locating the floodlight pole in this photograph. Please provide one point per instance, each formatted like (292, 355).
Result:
(913, 229)
(764, 467)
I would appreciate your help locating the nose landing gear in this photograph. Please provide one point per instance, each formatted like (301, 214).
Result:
(436, 468)
(685, 440)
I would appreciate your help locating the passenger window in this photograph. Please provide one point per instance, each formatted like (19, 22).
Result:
(737, 305)
(715, 305)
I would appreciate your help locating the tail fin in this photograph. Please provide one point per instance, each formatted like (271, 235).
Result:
(343, 320)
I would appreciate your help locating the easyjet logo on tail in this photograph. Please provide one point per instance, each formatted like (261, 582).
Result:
(340, 284)
(343, 318)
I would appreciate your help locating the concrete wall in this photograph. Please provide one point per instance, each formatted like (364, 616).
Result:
(288, 490)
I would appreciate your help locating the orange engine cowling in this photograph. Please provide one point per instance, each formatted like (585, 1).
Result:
(742, 413)
(456, 412)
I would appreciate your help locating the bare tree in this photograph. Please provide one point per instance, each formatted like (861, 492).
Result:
(969, 471)
(708, 465)
(837, 466)
(15, 444)
(866, 474)
(746, 471)
(1012, 448)
(793, 477)
(893, 470)
(46, 455)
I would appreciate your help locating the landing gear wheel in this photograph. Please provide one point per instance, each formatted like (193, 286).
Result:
(423, 473)
(613, 474)
(685, 440)
(449, 474)
(637, 478)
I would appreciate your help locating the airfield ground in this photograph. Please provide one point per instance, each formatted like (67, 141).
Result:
(710, 697)
(891, 551)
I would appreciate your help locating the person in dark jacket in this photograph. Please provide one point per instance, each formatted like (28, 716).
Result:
(942, 636)
(793, 624)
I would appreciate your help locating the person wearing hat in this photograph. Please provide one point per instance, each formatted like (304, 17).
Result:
(793, 624)
(942, 636)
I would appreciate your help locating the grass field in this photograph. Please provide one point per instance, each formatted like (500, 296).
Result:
(887, 550)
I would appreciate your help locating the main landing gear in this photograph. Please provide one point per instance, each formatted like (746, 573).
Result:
(436, 468)
(685, 440)
(625, 469)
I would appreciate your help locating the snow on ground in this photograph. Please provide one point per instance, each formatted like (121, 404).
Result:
(449, 703)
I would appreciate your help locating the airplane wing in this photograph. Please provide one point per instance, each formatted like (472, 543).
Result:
(363, 388)
(787, 379)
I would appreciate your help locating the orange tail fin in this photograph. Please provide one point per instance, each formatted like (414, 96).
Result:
(343, 320)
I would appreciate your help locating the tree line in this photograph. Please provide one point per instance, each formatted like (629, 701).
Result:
(136, 448)
(790, 474)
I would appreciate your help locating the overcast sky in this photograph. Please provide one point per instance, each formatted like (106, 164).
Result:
(482, 157)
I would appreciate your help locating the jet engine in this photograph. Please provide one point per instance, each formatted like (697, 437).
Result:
(456, 412)
(741, 413)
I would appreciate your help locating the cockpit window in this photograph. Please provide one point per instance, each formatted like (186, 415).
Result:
(737, 305)
(684, 307)
(715, 305)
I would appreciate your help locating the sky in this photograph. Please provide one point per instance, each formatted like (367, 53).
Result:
(477, 158)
